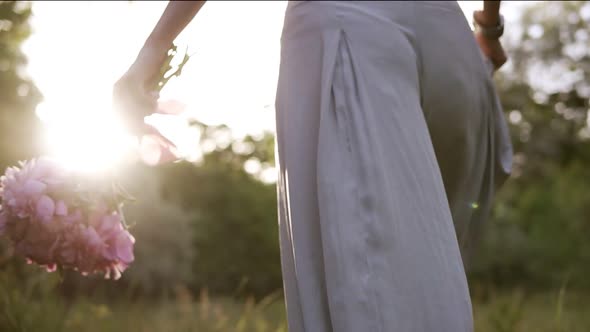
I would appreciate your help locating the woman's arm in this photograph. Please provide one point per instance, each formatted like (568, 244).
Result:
(134, 93)
(175, 18)
(489, 17)
(152, 55)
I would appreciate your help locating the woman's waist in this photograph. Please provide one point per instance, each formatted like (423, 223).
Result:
(382, 8)
(406, 14)
(313, 16)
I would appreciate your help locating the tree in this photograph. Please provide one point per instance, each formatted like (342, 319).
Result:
(235, 228)
(19, 126)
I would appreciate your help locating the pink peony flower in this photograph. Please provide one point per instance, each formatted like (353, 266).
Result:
(61, 209)
(45, 209)
(101, 245)
(53, 223)
(21, 187)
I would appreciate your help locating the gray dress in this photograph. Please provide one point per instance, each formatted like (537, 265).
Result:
(388, 131)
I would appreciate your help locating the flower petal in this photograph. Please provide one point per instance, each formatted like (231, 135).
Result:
(61, 209)
(32, 187)
(45, 208)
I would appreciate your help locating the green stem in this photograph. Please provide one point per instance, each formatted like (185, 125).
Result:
(166, 67)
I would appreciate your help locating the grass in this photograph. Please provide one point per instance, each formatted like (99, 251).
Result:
(516, 311)
(37, 308)
(506, 312)
(181, 314)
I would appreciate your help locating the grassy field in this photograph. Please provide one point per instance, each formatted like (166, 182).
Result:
(41, 310)
(516, 311)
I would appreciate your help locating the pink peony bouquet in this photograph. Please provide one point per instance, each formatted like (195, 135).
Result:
(58, 220)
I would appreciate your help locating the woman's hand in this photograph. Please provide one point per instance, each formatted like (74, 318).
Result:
(491, 48)
(135, 94)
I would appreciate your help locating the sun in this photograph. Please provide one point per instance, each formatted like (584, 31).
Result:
(85, 139)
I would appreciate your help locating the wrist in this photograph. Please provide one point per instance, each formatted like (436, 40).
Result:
(486, 19)
(489, 26)
(156, 46)
(151, 55)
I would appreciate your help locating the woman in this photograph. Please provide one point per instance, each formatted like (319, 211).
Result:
(388, 130)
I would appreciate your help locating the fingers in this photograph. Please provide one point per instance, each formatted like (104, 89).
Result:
(499, 62)
(154, 95)
(170, 107)
(149, 130)
(498, 56)
(493, 50)
(154, 151)
(133, 103)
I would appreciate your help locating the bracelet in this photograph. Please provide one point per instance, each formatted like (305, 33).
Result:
(494, 32)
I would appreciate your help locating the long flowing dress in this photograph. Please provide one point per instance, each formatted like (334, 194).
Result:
(390, 144)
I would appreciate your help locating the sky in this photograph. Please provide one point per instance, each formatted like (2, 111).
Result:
(79, 49)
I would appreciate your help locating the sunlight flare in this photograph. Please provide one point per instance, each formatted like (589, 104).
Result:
(86, 141)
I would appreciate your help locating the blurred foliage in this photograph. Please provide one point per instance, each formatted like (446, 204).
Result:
(236, 231)
(19, 127)
(28, 301)
(541, 226)
(164, 247)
